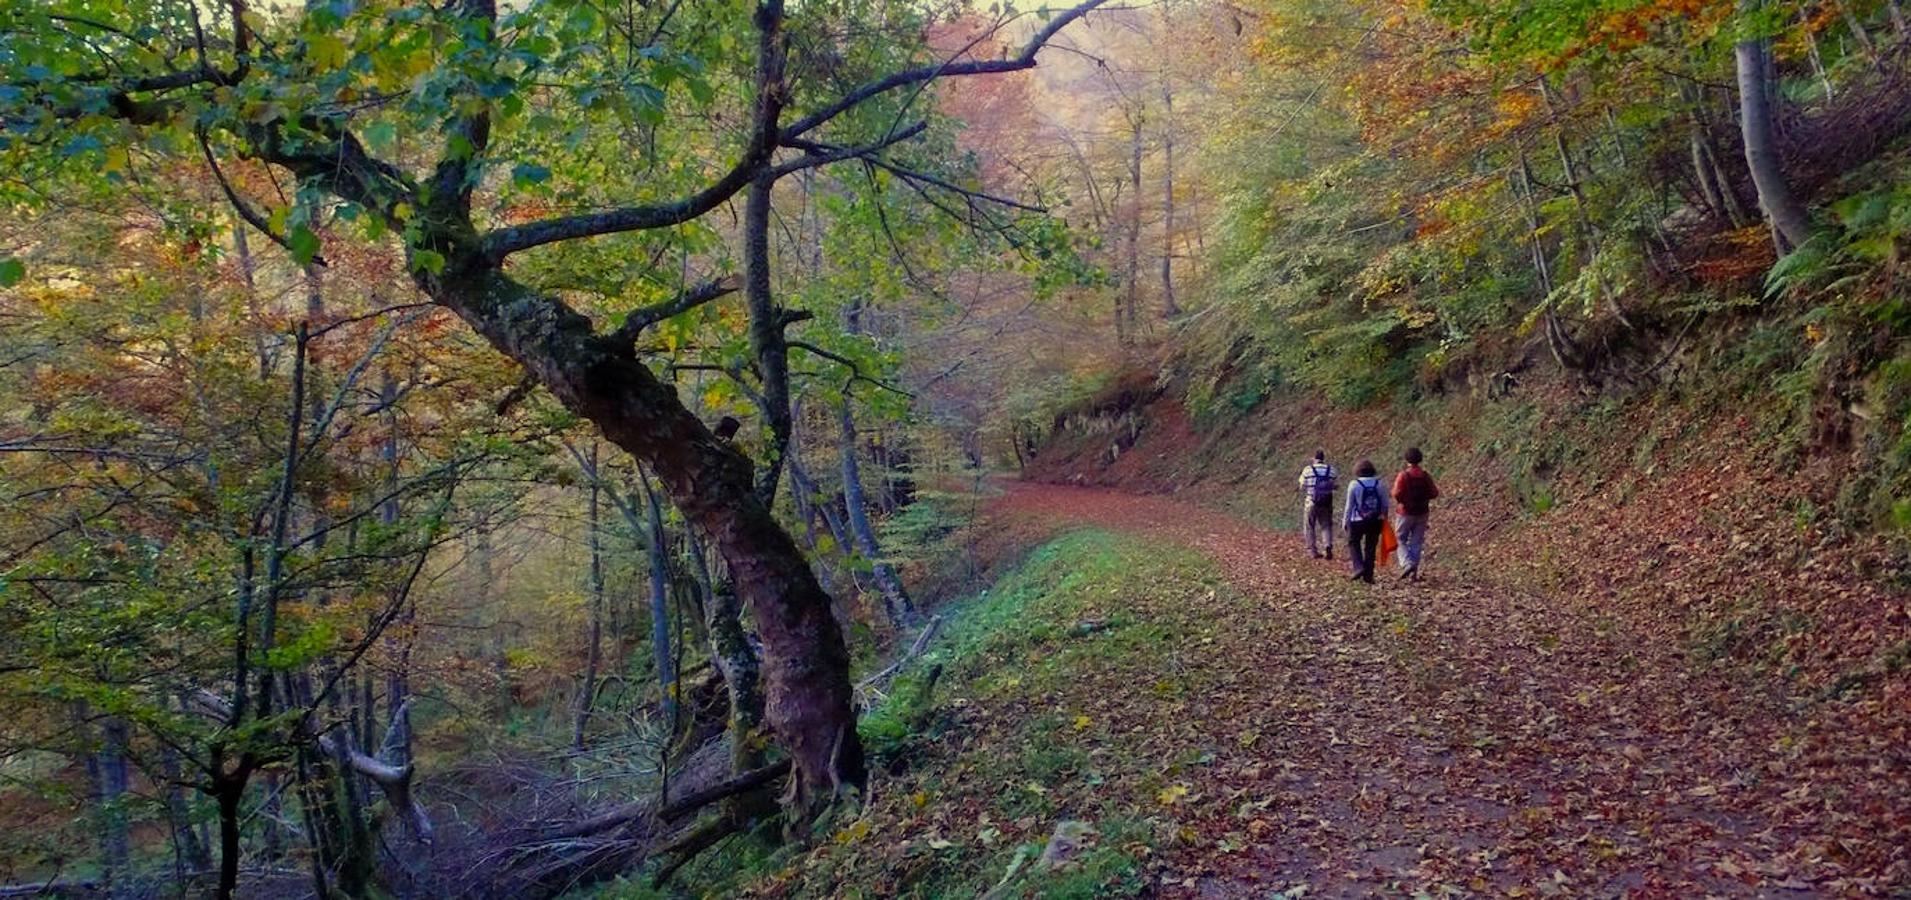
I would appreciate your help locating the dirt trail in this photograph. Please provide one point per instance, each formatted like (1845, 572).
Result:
(1447, 739)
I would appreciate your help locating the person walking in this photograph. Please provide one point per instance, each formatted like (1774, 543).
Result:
(1414, 491)
(1318, 483)
(1366, 515)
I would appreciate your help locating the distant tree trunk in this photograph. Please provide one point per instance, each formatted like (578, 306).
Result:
(1590, 234)
(108, 768)
(803, 502)
(1791, 226)
(1125, 328)
(1198, 224)
(660, 604)
(1858, 32)
(1707, 163)
(1169, 309)
(594, 638)
(1618, 138)
(824, 510)
(901, 612)
(189, 852)
(242, 252)
(1702, 176)
(1557, 341)
(398, 681)
(1817, 60)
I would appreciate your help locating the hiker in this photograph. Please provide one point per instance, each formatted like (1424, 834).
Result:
(1366, 515)
(1413, 490)
(1318, 482)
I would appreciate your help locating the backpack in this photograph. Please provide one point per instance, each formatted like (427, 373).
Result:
(1323, 485)
(1416, 491)
(1365, 501)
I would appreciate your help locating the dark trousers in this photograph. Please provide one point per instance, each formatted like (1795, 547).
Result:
(1363, 543)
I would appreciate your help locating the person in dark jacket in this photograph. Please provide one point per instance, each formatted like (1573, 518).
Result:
(1414, 491)
(1366, 515)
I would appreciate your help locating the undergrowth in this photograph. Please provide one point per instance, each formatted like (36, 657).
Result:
(994, 739)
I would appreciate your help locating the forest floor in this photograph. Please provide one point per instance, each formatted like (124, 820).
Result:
(1455, 737)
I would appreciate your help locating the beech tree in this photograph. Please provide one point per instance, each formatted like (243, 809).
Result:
(324, 95)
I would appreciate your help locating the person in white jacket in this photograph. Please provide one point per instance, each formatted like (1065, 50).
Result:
(1366, 515)
(1318, 482)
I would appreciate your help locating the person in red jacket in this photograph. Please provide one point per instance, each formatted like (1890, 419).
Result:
(1413, 491)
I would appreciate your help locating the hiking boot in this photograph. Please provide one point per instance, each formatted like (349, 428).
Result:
(1411, 573)
(1330, 554)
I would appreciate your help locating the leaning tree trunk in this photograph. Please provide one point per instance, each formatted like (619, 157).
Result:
(1790, 224)
(805, 662)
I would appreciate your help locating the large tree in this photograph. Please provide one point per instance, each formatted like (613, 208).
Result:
(330, 96)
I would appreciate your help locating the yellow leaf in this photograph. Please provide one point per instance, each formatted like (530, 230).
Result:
(327, 51)
(855, 832)
(1172, 794)
(1081, 723)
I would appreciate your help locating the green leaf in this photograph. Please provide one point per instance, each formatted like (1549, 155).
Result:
(527, 174)
(303, 244)
(11, 271)
(429, 260)
(381, 136)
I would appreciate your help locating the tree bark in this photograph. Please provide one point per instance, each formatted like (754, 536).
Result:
(1791, 226)
(805, 662)
(767, 342)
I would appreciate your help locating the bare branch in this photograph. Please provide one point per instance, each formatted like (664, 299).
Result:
(1022, 60)
(771, 50)
(908, 174)
(239, 204)
(644, 317)
(856, 371)
(823, 154)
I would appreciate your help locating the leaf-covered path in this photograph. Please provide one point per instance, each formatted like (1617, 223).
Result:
(1449, 738)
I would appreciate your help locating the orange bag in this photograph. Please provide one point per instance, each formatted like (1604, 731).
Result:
(1389, 542)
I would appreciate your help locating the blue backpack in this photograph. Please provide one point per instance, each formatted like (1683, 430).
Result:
(1366, 501)
(1323, 484)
